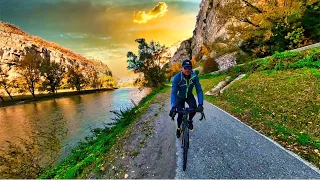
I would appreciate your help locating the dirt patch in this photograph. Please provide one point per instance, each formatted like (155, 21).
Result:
(148, 149)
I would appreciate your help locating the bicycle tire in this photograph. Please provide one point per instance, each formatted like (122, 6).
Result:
(185, 139)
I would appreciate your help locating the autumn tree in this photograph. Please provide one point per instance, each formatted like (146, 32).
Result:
(147, 62)
(107, 81)
(267, 26)
(75, 78)
(93, 77)
(53, 73)
(4, 80)
(29, 68)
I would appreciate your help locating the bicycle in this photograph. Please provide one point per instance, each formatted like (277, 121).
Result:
(185, 131)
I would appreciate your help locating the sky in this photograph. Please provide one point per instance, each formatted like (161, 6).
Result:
(103, 29)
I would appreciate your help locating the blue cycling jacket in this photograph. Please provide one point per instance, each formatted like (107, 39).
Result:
(182, 87)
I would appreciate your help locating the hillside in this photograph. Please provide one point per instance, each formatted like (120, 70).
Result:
(279, 97)
(235, 32)
(14, 43)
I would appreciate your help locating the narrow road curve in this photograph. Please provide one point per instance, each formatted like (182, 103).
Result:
(222, 147)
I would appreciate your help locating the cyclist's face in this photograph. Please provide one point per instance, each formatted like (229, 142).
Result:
(186, 71)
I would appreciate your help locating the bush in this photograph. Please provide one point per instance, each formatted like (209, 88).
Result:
(243, 58)
(210, 65)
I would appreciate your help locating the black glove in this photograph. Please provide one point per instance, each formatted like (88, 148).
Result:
(200, 108)
(172, 111)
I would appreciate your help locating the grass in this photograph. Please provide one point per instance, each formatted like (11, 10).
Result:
(281, 61)
(282, 104)
(207, 81)
(90, 154)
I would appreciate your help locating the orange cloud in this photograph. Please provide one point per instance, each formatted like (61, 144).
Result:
(158, 11)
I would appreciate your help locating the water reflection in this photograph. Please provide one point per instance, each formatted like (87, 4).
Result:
(35, 134)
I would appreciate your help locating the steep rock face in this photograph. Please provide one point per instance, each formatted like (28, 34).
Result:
(226, 61)
(14, 45)
(207, 27)
(169, 53)
(183, 52)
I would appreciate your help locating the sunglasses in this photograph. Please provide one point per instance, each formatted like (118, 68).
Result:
(187, 68)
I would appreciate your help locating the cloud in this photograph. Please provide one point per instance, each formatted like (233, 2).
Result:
(158, 11)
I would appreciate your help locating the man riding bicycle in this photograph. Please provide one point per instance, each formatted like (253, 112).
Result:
(182, 85)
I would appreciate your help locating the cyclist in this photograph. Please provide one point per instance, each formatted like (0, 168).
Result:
(182, 85)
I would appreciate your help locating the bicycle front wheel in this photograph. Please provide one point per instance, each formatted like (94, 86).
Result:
(185, 139)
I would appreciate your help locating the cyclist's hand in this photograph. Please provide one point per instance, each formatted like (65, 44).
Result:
(200, 108)
(172, 111)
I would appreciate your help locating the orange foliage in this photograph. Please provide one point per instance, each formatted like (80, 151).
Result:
(194, 62)
(174, 69)
(204, 50)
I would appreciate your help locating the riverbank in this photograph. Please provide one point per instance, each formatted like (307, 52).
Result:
(41, 97)
(92, 154)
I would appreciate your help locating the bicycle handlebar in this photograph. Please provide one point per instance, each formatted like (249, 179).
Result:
(189, 110)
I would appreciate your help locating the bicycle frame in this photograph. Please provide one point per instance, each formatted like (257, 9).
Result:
(185, 131)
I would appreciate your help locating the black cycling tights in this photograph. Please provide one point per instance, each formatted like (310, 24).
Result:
(181, 104)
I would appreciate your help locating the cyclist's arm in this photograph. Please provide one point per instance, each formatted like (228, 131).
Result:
(174, 91)
(199, 90)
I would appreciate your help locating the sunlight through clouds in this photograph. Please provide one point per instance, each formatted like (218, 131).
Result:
(158, 11)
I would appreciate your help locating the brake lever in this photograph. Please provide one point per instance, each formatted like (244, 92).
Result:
(173, 116)
(202, 116)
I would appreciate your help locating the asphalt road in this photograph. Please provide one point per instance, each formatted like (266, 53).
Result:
(222, 147)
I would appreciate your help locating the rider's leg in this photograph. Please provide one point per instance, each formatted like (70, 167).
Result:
(192, 104)
(180, 106)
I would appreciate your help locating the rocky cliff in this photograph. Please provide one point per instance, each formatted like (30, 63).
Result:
(14, 44)
(208, 26)
(207, 29)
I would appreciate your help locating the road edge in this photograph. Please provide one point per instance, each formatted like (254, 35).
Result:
(272, 141)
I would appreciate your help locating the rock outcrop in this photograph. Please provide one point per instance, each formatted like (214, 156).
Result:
(183, 52)
(208, 28)
(14, 44)
(226, 61)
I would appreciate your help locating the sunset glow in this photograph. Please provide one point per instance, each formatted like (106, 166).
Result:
(103, 29)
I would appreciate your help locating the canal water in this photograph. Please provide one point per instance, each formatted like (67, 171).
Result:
(36, 134)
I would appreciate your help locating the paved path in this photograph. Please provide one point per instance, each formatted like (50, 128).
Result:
(223, 147)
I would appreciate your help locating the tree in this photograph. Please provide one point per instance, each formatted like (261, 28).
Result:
(267, 26)
(75, 77)
(107, 81)
(4, 81)
(2, 99)
(93, 77)
(210, 65)
(29, 68)
(53, 73)
(147, 63)
(174, 69)
(19, 85)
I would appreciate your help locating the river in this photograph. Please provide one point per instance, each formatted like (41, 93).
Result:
(36, 134)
